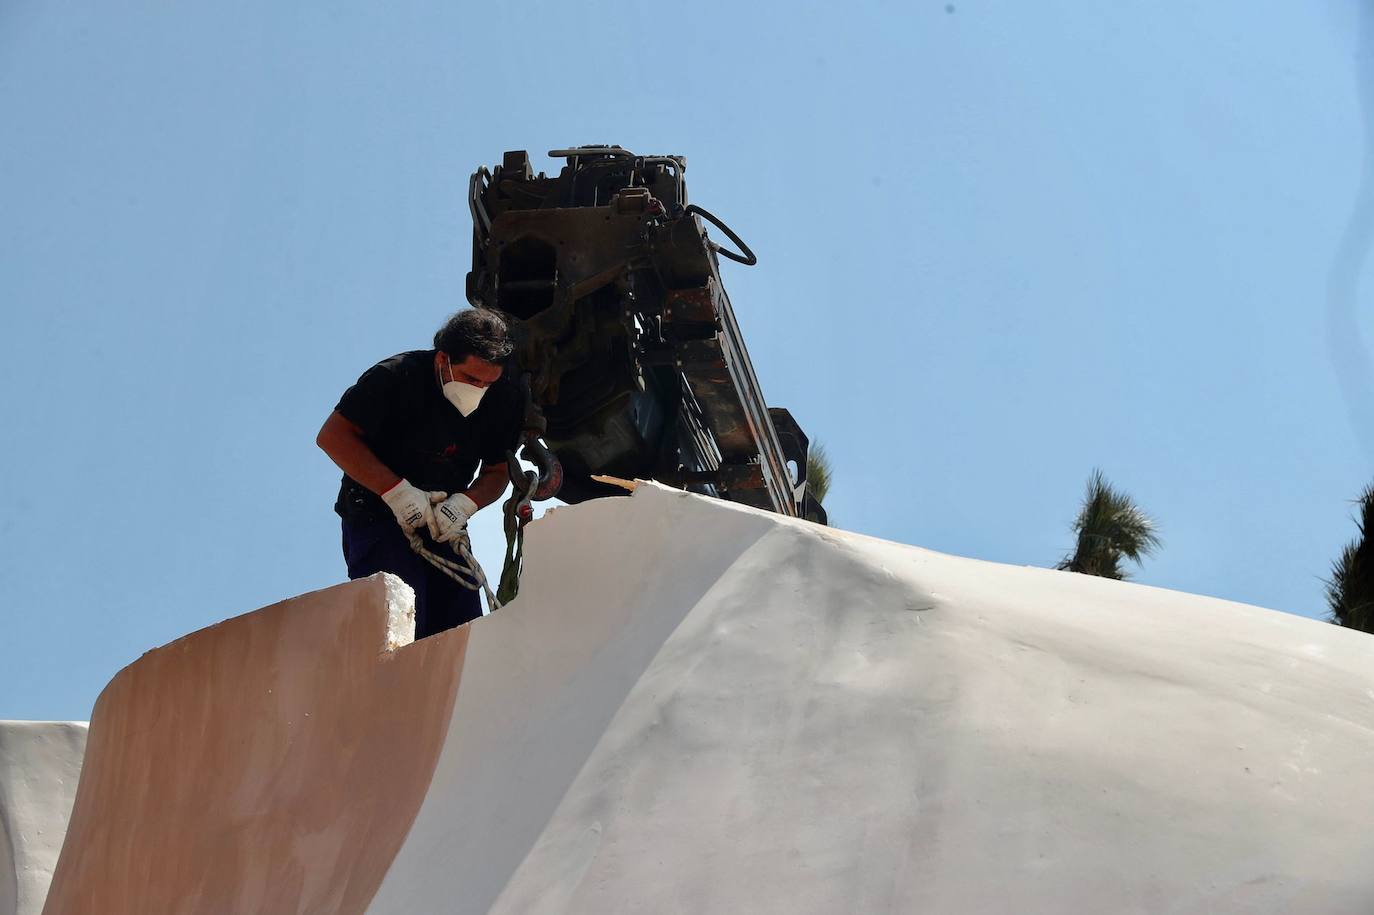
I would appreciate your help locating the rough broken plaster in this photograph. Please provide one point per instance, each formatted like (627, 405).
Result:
(400, 606)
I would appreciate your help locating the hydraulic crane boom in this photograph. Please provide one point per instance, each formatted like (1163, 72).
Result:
(625, 334)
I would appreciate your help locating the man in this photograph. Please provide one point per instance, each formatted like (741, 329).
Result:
(409, 436)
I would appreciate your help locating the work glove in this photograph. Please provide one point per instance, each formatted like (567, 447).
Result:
(451, 517)
(413, 507)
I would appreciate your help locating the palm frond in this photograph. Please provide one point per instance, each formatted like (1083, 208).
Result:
(1110, 527)
(1350, 589)
(819, 471)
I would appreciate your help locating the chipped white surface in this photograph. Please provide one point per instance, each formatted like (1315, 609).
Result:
(400, 612)
(693, 707)
(40, 762)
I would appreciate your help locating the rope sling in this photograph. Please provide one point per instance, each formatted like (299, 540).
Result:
(466, 570)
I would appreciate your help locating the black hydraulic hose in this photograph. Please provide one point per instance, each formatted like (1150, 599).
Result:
(747, 258)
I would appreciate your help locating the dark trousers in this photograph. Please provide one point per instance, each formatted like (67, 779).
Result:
(379, 546)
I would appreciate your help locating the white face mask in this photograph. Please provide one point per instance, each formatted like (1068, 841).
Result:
(465, 397)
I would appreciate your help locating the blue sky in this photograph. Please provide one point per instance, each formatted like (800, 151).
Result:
(999, 246)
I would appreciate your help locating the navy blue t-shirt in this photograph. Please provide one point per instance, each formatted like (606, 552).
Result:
(419, 435)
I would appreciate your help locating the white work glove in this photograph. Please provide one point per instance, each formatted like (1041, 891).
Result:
(413, 508)
(451, 517)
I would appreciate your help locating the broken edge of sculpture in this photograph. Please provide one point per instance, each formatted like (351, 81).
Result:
(695, 706)
(270, 763)
(40, 762)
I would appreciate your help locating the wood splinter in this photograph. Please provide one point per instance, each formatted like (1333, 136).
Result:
(627, 485)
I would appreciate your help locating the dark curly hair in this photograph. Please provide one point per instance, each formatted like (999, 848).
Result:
(478, 332)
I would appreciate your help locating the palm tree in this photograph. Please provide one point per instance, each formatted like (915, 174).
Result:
(1110, 527)
(1350, 589)
(818, 471)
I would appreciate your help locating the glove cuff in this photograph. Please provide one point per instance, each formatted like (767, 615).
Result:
(395, 492)
(456, 510)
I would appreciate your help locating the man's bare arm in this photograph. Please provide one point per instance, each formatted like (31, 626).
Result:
(342, 440)
(489, 485)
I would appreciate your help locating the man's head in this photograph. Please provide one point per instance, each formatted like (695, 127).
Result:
(471, 346)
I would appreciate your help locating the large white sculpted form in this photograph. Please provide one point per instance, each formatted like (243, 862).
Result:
(697, 707)
(39, 765)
